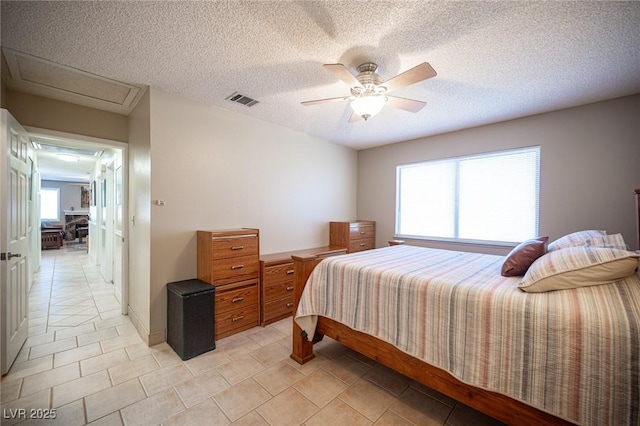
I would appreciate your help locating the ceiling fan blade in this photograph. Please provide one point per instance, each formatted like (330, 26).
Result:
(355, 118)
(321, 101)
(343, 74)
(414, 75)
(405, 104)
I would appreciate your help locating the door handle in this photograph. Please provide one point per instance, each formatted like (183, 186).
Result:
(7, 256)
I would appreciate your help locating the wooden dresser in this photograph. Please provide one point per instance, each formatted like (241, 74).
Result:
(229, 259)
(276, 281)
(356, 235)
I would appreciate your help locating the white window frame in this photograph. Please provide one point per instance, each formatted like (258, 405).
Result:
(457, 239)
(57, 217)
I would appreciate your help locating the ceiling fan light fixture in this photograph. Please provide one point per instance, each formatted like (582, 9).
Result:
(367, 106)
(68, 157)
(369, 90)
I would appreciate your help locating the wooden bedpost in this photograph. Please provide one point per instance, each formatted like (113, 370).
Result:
(302, 266)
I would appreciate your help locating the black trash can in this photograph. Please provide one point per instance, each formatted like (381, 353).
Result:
(190, 317)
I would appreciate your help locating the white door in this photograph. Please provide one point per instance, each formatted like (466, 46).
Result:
(119, 248)
(14, 245)
(106, 262)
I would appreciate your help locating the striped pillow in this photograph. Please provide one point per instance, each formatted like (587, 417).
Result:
(579, 266)
(610, 241)
(575, 239)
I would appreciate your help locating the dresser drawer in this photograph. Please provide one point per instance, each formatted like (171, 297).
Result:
(278, 273)
(359, 230)
(357, 235)
(277, 290)
(362, 244)
(278, 308)
(225, 247)
(236, 268)
(237, 297)
(228, 323)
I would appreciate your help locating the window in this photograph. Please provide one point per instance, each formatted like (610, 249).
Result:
(50, 204)
(489, 197)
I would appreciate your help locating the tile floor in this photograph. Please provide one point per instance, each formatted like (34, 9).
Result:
(86, 361)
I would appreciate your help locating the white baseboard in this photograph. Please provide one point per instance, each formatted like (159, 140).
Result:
(150, 339)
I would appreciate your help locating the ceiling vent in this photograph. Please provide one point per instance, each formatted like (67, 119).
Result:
(241, 99)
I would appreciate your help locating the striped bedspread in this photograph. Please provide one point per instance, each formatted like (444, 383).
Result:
(573, 353)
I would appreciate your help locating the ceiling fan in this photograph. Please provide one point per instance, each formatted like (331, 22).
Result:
(369, 92)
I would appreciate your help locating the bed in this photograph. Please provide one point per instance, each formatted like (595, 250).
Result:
(556, 357)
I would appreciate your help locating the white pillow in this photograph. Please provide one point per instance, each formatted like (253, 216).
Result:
(578, 266)
(615, 241)
(575, 239)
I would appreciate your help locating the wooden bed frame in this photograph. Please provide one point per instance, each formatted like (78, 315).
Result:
(496, 405)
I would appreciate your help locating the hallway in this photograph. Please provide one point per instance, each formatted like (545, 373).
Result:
(71, 309)
(69, 291)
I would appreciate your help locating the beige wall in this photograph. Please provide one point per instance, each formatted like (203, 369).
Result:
(140, 211)
(36, 111)
(217, 169)
(3, 95)
(590, 166)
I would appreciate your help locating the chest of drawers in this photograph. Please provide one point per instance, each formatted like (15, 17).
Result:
(230, 260)
(356, 235)
(276, 281)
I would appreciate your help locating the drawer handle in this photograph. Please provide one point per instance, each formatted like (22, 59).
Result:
(362, 244)
(363, 232)
(237, 267)
(237, 247)
(234, 319)
(289, 305)
(237, 299)
(289, 288)
(290, 271)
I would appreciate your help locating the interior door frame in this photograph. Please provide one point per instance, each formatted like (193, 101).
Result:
(95, 142)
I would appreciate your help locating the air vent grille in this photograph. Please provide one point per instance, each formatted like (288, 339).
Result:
(241, 99)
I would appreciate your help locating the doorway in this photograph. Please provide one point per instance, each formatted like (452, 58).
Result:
(20, 227)
(104, 186)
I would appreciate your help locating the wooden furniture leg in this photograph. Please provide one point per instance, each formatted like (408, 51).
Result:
(302, 347)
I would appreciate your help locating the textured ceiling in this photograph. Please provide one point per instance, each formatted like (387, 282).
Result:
(495, 60)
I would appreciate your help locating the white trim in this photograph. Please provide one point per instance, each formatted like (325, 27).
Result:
(62, 136)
